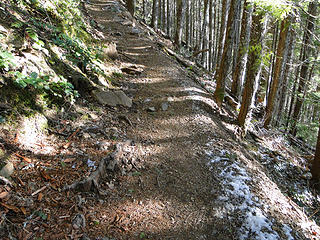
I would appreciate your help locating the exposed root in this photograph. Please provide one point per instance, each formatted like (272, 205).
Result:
(109, 163)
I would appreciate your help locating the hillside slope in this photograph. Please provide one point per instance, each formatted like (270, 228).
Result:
(168, 167)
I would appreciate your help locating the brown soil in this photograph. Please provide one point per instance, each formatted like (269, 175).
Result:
(165, 189)
(171, 199)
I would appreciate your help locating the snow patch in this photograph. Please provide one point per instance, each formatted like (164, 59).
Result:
(236, 198)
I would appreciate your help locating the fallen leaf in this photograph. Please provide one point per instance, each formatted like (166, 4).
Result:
(28, 160)
(67, 145)
(69, 160)
(23, 210)
(3, 195)
(40, 196)
(70, 137)
(45, 175)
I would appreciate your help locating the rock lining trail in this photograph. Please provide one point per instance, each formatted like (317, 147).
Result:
(198, 181)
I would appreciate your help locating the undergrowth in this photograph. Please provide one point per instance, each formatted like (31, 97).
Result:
(40, 24)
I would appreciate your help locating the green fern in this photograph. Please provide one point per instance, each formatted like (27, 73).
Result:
(17, 24)
(32, 34)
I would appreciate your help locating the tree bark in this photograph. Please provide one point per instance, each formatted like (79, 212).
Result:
(168, 19)
(204, 33)
(277, 71)
(222, 31)
(225, 63)
(254, 56)
(187, 37)
(178, 33)
(236, 77)
(154, 18)
(210, 36)
(315, 169)
(312, 10)
(131, 6)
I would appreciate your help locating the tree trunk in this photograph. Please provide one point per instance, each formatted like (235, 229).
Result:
(178, 34)
(312, 10)
(154, 18)
(285, 82)
(160, 14)
(168, 19)
(210, 36)
(225, 62)
(163, 17)
(315, 169)
(222, 31)
(187, 37)
(254, 56)
(236, 78)
(204, 33)
(131, 6)
(277, 71)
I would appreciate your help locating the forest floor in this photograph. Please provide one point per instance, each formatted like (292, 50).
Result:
(184, 173)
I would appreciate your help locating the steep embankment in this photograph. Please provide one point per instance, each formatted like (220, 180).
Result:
(178, 172)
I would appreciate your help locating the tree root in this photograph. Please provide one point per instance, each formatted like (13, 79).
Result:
(109, 163)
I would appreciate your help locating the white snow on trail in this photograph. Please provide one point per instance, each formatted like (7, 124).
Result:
(237, 199)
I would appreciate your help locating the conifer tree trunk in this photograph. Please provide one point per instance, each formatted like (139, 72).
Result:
(277, 71)
(236, 33)
(216, 35)
(284, 90)
(210, 57)
(144, 10)
(154, 18)
(312, 10)
(315, 169)
(244, 36)
(168, 19)
(131, 6)
(222, 30)
(160, 14)
(272, 60)
(254, 56)
(204, 33)
(187, 37)
(225, 59)
(178, 33)
(163, 17)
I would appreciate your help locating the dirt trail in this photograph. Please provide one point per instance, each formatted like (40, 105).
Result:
(179, 194)
(172, 198)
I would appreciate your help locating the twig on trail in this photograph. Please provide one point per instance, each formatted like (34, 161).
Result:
(158, 182)
(70, 137)
(314, 213)
(24, 158)
(126, 119)
(73, 134)
(6, 181)
(39, 190)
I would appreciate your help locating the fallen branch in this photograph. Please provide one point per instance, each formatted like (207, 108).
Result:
(6, 181)
(200, 51)
(39, 190)
(179, 58)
